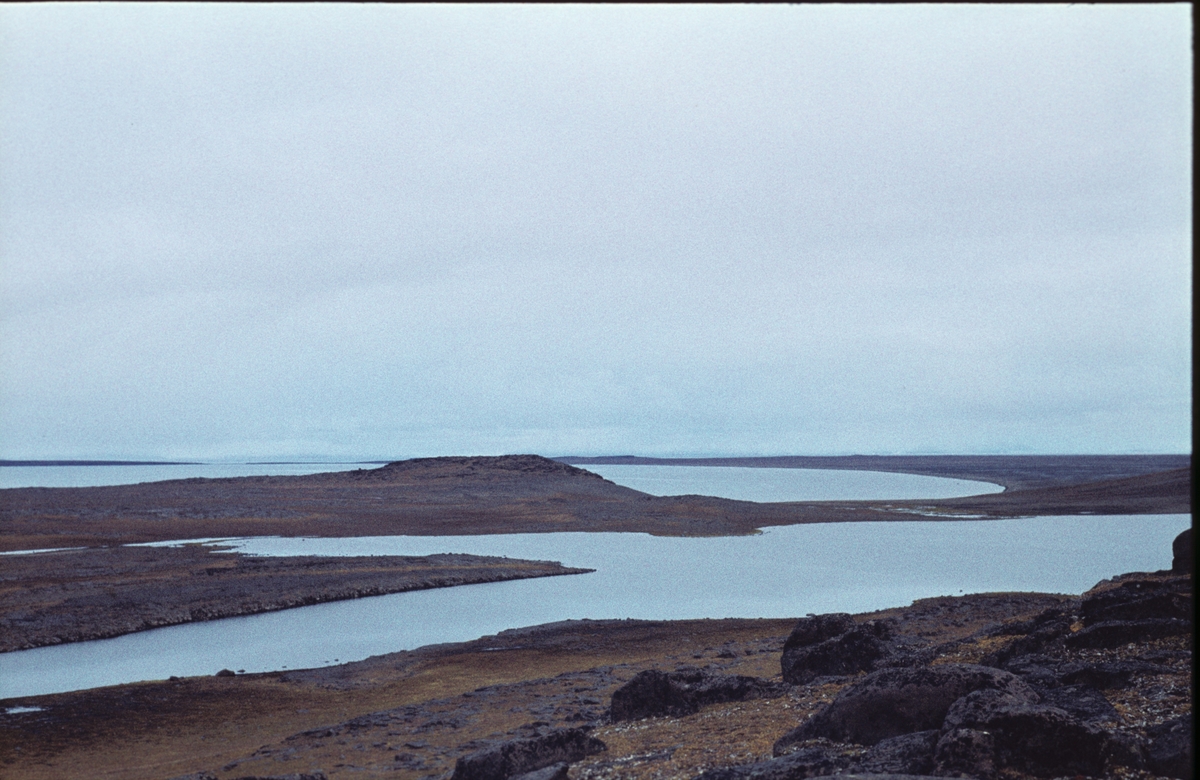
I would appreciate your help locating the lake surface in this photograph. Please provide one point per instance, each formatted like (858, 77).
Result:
(784, 572)
(780, 484)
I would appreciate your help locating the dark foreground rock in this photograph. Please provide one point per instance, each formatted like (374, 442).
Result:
(654, 693)
(823, 645)
(892, 702)
(522, 756)
(1170, 751)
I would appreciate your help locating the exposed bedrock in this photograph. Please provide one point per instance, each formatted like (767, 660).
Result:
(823, 645)
(1036, 706)
(654, 693)
(523, 756)
(891, 702)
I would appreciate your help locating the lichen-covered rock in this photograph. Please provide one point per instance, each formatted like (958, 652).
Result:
(1107, 675)
(853, 651)
(1047, 742)
(815, 629)
(965, 752)
(1139, 598)
(1170, 750)
(1083, 702)
(978, 708)
(654, 693)
(521, 756)
(891, 702)
(1114, 633)
(905, 754)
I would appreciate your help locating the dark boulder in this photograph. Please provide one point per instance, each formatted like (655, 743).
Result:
(521, 756)
(1139, 598)
(905, 754)
(978, 708)
(1170, 750)
(1083, 702)
(853, 651)
(1047, 742)
(1040, 671)
(1044, 638)
(653, 693)
(1108, 675)
(1054, 616)
(965, 752)
(891, 702)
(1181, 561)
(1038, 739)
(815, 629)
(1114, 633)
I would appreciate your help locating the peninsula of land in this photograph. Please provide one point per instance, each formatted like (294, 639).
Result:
(532, 494)
(53, 597)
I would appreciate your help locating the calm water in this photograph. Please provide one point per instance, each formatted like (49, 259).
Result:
(774, 484)
(783, 572)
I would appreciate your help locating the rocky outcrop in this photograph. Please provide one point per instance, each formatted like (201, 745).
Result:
(653, 693)
(891, 702)
(1170, 751)
(1035, 707)
(823, 645)
(1139, 598)
(1134, 608)
(523, 756)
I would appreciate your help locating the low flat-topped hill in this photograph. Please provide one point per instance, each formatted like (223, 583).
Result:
(530, 494)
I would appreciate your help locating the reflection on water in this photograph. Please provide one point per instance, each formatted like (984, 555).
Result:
(783, 572)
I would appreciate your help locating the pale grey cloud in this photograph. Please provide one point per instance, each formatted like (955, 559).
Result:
(366, 230)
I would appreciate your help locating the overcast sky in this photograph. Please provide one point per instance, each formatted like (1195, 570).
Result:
(375, 231)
